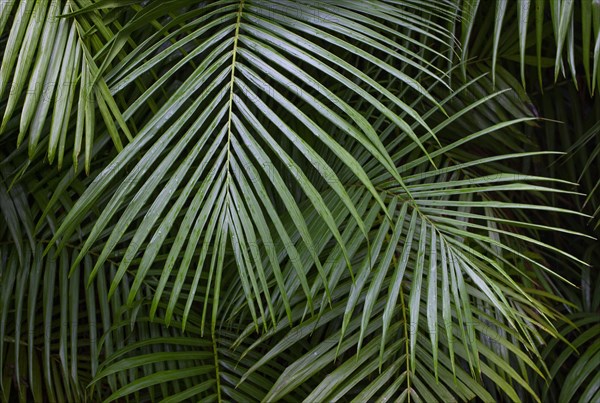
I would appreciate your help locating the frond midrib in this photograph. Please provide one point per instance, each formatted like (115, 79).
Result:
(231, 84)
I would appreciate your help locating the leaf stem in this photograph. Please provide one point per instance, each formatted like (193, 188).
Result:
(216, 357)
(407, 342)
(232, 81)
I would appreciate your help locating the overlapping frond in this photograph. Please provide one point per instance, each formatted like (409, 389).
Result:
(561, 36)
(236, 134)
(289, 200)
(50, 83)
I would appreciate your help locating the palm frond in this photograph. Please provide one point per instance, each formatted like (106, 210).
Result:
(47, 63)
(296, 200)
(556, 35)
(238, 103)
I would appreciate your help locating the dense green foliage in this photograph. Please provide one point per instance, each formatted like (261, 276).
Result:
(299, 200)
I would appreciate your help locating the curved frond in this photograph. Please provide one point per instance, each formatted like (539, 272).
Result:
(232, 124)
(264, 200)
(561, 36)
(48, 72)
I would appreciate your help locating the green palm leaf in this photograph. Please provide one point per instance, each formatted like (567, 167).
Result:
(296, 200)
